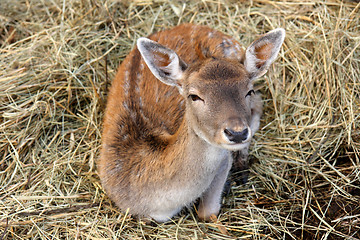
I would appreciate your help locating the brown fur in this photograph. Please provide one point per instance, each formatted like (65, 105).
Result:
(144, 122)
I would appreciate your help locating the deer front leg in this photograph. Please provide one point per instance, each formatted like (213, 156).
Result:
(241, 165)
(210, 200)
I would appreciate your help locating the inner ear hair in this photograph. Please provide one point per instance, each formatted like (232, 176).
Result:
(263, 51)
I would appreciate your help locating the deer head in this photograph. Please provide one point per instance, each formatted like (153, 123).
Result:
(218, 91)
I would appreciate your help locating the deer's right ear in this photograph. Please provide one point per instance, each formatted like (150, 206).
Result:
(163, 62)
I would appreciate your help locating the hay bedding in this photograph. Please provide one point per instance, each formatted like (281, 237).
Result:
(57, 59)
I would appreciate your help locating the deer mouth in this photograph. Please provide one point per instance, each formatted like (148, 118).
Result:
(235, 146)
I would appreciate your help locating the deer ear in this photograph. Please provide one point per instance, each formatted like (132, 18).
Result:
(163, 62)
(263, 51)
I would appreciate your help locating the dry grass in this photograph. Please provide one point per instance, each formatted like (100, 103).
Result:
(57, 59)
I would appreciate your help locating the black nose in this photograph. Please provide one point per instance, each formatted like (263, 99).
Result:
(237, 137)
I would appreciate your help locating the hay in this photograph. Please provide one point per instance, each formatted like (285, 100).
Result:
(57, 59)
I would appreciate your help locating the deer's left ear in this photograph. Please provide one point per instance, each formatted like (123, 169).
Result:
(263, 51)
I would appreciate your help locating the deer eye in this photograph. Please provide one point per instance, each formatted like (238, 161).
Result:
(251, 92)
(195, 97)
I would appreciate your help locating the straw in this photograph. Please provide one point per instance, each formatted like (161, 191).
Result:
(58, 58)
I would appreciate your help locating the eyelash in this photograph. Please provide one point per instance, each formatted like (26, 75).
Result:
(250, 93)
(195, 97)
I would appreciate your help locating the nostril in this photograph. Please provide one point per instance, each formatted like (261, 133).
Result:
(245, 133)
(228, 132)
(235, 136)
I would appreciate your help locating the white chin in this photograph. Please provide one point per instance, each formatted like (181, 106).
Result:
(235, 147)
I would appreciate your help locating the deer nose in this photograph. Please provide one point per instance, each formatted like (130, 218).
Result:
(237, 136)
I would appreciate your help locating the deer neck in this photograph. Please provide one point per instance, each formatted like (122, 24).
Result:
(194, 151)
(185, 156)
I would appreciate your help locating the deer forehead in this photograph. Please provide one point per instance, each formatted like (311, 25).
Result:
(219, 76)
(222, 69)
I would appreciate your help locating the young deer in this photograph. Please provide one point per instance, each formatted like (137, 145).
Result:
(178, 106)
